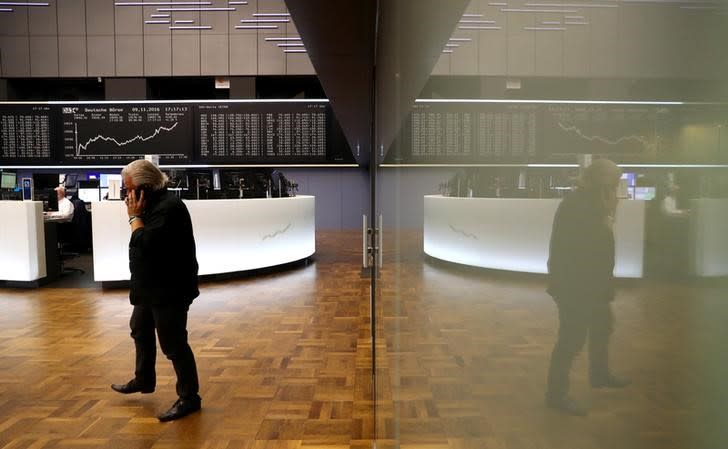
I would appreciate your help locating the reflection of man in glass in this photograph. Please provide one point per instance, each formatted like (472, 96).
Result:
(581, 265)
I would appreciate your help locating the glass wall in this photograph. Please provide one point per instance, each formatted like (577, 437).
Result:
(530, 293)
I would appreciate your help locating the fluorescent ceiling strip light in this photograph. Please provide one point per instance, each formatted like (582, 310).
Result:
(478, 28)
(184, 21)
(155, 22)
(537, 10)
(545, 22)
(289, 100)
(666, 2)
(497, 4)
(673, 165)
(461, 39)
(570, 5)
(23, 4)
(55, 167)
(189, 27)
(282, 38)
(256, 27)
(6, 9)
(576, 23)
(272, 14)
(472, 15)
(160, 3)
(474, 165)
(290, 45)
(237, 3)
(159, 16)
(194, 9)
(294, 51)
(447, 51)
(477, 21)
(554, 102)
(452, 45)
(544, 29)
(699, 7)
(265, 20)
(574, 17)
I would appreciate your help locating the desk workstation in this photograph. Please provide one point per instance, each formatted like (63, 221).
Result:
(513, 233)
(231, 235)
(22, 242)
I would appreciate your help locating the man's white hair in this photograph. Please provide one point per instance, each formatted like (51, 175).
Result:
(145, 174)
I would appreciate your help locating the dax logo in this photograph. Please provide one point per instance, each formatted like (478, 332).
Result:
(70, 110)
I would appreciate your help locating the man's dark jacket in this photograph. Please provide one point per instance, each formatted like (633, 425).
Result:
(162, 255)
(581, 252)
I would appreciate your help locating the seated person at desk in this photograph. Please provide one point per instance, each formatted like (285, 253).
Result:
(668, 206)
(65, 207)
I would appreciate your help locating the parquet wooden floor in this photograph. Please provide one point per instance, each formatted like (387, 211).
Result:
(283, 359)
(285, 362)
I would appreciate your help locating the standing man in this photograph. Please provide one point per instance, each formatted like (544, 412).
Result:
(163, 265)
(581, 281)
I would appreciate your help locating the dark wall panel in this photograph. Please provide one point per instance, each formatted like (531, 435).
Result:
(72, 56)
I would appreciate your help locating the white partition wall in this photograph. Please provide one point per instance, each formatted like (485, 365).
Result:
(231, 235)
(22, 241)
(513, 234)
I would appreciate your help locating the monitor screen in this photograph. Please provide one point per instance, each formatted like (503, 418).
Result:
(9, 180)
(69, 181)
(105, 179)
(43, 181)
(90, 184)
(645, 193)
(89, 195)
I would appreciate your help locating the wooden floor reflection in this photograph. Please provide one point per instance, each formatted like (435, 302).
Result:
(285, 362)
(465, 354)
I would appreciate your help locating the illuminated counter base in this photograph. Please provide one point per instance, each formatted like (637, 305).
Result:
(514, 234)
(708, 238)
(22, 241)
(231, 235)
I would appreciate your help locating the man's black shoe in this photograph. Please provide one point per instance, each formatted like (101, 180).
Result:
(609, 381)
(566, 405)
(131, 387)
(181, 408)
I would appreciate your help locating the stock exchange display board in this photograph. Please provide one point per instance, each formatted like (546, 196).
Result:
(26, 134)
(547, 132)
(118, 134)
(245, 132)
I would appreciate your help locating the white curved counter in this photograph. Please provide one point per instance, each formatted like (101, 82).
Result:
(231, 235)
(708, 240)
(513, 234)
(22, 241)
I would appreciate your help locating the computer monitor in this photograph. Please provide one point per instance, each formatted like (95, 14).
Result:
(69, 181)
(89, 195)
(90, 184)
(44, 181)
(49, 197)
(104, 177)
(645, 193)
(9, 180)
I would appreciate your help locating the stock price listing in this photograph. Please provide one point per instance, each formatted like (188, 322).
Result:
(260, 132)
(25, 134)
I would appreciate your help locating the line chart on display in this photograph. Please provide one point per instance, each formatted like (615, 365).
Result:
(102, 133)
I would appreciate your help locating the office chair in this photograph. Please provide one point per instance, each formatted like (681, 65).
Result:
(72, 236)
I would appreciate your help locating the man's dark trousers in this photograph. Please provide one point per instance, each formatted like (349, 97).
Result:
(171, 325)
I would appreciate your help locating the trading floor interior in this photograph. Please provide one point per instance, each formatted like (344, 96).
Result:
(285, 362)
(372, 186)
